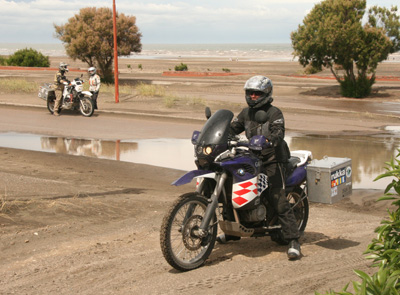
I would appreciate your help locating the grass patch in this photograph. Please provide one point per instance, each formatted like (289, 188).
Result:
(18, 85)
(171, 100)
(141, 89)
(110, 88)
(150, 90)
(196, 101)
(8, 208)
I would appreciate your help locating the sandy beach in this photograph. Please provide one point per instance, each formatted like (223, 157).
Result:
(91, 226)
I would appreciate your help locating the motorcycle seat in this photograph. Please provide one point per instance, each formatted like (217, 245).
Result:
(292, 164)
(298, 158)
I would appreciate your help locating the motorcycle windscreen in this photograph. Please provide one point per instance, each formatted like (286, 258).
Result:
(216, 129)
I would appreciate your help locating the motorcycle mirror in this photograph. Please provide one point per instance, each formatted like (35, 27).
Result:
(208, 112)
(195, 137)
(81, 75)
(261, 117)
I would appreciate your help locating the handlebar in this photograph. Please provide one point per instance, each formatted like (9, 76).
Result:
(256, 144)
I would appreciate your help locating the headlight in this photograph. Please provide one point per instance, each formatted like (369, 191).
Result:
(207, 150)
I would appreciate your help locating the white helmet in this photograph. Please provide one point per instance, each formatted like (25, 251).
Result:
(63, 67)
(92, 71)
(258, 84)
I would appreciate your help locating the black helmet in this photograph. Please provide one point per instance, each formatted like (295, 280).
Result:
(258, 84)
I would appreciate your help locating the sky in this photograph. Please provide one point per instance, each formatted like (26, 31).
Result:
(168, 22)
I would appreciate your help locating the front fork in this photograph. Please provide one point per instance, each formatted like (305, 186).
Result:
(213, 204)
(81, 102)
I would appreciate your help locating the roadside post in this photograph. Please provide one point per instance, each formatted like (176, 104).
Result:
(115, 54)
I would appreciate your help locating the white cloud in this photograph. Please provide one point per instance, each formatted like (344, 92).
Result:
(161, 21)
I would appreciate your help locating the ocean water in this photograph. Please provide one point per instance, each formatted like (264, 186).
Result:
(266, 51)
(273, 52)
(244, 51)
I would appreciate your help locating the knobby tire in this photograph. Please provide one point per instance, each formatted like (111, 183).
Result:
(180, 246)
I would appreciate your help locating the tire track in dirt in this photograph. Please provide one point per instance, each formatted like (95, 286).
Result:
(326, 266)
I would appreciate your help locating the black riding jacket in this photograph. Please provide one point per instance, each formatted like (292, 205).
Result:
(273, 129)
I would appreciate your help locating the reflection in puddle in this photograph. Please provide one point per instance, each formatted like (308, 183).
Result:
(368, 154)
(169, 153)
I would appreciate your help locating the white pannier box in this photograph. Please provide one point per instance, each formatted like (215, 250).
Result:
(46, 91)
(329, 180)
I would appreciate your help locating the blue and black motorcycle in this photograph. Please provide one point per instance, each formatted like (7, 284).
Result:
(231, 192)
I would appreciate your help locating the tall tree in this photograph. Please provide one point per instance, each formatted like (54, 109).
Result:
(333, 35)
(88, 36)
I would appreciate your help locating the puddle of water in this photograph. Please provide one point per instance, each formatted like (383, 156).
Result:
(368, 155)
(169, 153)
(393, 128)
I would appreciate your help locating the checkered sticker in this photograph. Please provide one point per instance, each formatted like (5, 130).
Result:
(246, 191)
(262, 183)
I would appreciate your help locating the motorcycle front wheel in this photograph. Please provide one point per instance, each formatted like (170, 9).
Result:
(50, 106)
(182, 246)
(86, 107)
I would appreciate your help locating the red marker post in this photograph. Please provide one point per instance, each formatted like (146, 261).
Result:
(115, 54)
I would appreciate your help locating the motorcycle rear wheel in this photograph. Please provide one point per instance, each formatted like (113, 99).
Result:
(50, 106)
(181, 246)
(86, 107)
(300, 207)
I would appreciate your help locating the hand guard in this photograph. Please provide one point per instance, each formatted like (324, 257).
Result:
(259, 142)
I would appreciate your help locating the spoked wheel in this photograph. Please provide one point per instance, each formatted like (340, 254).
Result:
(300, 207)
(86, 107)
(50, 105)
(182, 245)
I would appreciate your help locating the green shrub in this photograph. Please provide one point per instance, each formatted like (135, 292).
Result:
(3, 61)
(28, 58)
(311, 69)
(181, 67)
(358, 88)
(385, 249)
(226, 70)
(140, 67)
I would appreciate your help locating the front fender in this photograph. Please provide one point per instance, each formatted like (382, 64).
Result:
(192, 174)
(87, 93)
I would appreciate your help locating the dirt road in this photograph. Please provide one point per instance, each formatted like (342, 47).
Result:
(77, 225)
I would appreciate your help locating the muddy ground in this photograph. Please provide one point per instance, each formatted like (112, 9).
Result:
(91, 226)
(78, 225)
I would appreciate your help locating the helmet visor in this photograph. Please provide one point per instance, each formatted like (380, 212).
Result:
(252, 92)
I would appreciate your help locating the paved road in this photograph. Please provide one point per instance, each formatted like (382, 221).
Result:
(104, 126)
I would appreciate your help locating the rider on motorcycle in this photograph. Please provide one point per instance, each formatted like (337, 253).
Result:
(94, 82)
(258, 94)
(59, 80)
